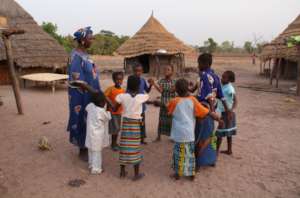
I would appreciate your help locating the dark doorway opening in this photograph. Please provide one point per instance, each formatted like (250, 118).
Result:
(144, 60)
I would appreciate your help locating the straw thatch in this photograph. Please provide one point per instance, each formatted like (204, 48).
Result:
(35, 48)
(278, 48)
(150, 38)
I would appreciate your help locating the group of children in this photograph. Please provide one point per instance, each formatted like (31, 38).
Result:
(182, 117)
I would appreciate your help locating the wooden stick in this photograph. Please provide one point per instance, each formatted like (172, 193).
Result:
(278, 72)
(271, 71)
(15, 83)
(298, 79)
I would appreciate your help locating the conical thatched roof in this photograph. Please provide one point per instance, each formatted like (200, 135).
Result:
(35, 48)
(278, 48)
(152, 37)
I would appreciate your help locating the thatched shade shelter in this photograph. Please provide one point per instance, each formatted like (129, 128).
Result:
(34, 51)
(153, 46)
(285, 59)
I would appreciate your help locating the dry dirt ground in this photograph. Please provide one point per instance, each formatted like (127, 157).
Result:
(265, 162)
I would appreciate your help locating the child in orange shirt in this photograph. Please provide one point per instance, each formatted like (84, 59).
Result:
(111, 93)
(184, 110)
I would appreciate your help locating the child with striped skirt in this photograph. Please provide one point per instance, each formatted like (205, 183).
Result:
(130, 141)
(185, 109)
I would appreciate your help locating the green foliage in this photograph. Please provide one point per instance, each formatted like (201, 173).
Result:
(105, 43)
(248, 47)
(227, 46)
(210, 46)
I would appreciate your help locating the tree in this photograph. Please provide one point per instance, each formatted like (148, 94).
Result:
(248, 47)
(105, 43)
(227, 46)
(51, 29)
(210, 46)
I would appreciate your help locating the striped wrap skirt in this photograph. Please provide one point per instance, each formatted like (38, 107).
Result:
(130, 142)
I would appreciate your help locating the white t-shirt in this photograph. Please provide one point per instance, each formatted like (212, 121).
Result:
(132, 106)
(97, 136)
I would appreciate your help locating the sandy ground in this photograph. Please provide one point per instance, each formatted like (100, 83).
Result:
(265, 162)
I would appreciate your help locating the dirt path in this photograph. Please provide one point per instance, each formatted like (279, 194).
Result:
(265, 162)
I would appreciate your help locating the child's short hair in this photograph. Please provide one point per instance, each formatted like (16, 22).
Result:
(231, 75)
(133, 83)
(137, 65)
(98, 98)
(205, 59)
(116, 74)
(182, 87)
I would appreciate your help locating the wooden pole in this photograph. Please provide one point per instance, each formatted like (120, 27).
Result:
(298, 75)
(15, 83)
(272, 70)
(278, 72)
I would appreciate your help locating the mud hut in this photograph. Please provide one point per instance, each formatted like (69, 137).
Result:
(34, 51)
(283, 60)
(153, 46)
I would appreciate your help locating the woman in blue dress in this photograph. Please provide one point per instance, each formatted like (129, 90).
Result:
(209, 90)
(81, 68)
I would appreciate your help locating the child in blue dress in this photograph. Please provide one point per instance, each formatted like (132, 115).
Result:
(229, 130)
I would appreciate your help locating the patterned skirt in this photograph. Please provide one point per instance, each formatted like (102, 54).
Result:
(130, 142)
(205, 131)
(230, 127)
(165, 122)
(184, 158)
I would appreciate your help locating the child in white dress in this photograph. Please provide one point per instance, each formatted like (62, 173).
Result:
(97, 136)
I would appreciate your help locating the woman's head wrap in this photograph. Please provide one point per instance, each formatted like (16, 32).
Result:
(82, 33)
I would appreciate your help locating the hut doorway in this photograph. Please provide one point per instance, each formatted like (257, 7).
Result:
(144, 60)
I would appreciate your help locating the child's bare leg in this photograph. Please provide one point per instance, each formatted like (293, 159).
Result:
(229, 145)
(114, 139)
(137, 174)
(123, 171)
(219, 142)
(157, 138)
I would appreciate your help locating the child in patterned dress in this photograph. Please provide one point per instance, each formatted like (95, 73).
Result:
(166, 87)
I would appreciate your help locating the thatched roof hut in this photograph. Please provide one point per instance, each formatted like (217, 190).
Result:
(285, 59)
(153, 46)
(278, 48)
(33, 50)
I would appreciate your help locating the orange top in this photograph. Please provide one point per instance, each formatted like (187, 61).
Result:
(199, 110)
(111, 93)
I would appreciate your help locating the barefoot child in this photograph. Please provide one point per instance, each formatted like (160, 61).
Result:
(229, 130)
(143, 88)
(184, 109)
(97, 131)
(166, 87)
(130, 141)
(111, 93)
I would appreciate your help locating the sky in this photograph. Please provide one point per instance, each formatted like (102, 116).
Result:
(192, 21)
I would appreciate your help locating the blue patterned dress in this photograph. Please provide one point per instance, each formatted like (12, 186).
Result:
(210, 87)
(80, 68)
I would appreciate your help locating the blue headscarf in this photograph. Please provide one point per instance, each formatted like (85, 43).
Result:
(82, 33)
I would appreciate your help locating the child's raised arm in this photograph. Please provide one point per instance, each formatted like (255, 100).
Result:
(157, 87)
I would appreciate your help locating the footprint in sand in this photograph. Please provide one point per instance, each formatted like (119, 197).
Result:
(262, 186)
